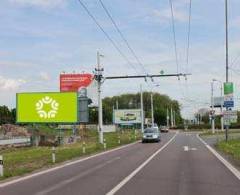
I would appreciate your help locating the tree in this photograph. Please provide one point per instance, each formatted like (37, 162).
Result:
(6, 115)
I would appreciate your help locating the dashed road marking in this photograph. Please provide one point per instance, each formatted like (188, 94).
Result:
(129, 177)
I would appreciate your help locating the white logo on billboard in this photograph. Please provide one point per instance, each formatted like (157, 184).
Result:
(50, 113)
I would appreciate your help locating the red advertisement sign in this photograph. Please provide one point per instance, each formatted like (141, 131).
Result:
(74, 82)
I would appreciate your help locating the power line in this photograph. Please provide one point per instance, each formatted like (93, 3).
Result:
(107, 35)
(122, 36)
(174, 35)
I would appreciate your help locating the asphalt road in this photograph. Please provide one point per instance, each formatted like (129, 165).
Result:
(180, 164)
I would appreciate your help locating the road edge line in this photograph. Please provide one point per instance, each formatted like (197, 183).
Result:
(7, 183)
(131, 175)
(227, 164)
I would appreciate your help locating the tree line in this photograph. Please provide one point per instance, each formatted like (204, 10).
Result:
(132, 101)
(7, 115)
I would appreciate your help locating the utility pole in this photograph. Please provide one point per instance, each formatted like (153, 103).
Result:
(212, 105)
(171, 117)
(99, 77)
(226, 28)
(152, 109)
(142, 117)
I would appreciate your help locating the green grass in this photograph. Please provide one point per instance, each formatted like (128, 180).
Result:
(19, 161)
(231, 148)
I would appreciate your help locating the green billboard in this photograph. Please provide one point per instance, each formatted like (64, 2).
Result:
(47, 107)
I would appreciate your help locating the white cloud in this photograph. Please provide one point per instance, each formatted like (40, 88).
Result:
(8, 84)
(235, 22)
(44, 76)
(165, 15)
(16, 64)
(40, 3)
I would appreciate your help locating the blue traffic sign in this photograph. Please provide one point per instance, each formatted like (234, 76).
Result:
(228, 104)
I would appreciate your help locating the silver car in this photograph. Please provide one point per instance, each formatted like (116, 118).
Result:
(151, 134)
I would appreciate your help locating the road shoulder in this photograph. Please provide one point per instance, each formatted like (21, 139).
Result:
(226, 163)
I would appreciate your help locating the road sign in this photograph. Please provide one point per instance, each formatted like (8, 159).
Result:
(128, 116)
(47, 107)
(228, 95)
(218, 102)
(230, 116)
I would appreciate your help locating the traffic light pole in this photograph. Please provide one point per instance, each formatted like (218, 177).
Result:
(100, 79)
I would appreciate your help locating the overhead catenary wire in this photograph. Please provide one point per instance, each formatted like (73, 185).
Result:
(188, 42)
(107, 35)
(175, 45)
(174, 35)
(122, 36)
(184, 93)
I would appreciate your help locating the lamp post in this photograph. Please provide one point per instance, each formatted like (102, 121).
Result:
(152, 105)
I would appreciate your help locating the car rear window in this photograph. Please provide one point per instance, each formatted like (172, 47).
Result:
(150, 131)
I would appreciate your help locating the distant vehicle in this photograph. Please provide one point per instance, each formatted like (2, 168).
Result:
(164, 129)
(155, 126)
(128, 117)
(151, 134)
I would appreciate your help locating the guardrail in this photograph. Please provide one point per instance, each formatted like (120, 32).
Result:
(15, 141)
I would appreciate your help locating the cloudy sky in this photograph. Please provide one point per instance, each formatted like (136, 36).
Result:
(41, 38)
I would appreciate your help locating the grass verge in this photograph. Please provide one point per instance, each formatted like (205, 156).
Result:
(231, 148)
(218, 132)
(19, 161)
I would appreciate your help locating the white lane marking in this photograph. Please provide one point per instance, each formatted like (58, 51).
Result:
(185, 148)
(72, 179)
(129, 177)
(223, 160)
(62, 166)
